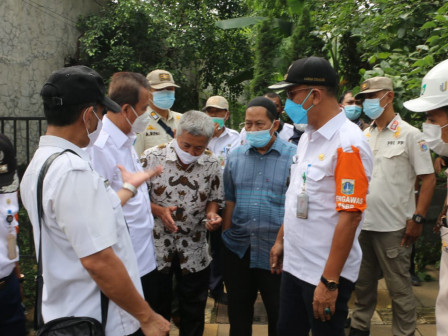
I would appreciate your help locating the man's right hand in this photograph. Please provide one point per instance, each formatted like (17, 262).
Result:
(166, 215)
(156, 325)
(276, 258)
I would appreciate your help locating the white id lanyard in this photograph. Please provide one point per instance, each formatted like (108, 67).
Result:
(11, 240)
(302, 198)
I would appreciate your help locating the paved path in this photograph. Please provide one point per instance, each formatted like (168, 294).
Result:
(217, 323)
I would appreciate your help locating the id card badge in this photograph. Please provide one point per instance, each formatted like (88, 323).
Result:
(12, 246)
(302, 205)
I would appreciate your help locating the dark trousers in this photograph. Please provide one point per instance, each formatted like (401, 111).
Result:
(12, 317)
(216, 284)
(191, 291)
(243, 284)
(149, 283)
(296, 309)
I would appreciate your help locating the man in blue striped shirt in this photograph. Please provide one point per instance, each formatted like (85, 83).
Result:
(255, 182)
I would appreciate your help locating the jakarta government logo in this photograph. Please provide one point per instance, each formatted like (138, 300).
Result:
(348, 187)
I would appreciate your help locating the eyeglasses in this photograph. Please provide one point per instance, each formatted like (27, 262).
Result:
(288, 93)
(259, 126)
(289, 96)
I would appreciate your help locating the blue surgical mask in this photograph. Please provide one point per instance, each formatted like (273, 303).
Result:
(219, 121)
(259, 139)
(296, 111)
(372, 107)
(163, 99)
(352, 112)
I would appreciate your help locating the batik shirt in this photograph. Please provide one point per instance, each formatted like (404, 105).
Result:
(190, 190)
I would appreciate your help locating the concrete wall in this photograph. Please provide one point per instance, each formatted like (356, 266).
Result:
(35, 38)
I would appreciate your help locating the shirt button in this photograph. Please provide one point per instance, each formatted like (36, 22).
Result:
(254, 219)
(259, 173)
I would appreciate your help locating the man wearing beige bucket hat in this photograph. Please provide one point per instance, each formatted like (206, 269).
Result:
(163, 120)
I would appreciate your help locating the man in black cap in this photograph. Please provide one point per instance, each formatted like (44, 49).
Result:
(12, 317)
(317, 247)
(255, 182)
(86, 246)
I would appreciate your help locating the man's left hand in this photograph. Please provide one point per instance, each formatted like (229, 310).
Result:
(323, 299)
(412, 233)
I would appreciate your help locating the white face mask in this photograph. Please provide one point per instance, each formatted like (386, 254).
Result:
(140, 122)
(95, 134)
(183, 156)
(433, 137)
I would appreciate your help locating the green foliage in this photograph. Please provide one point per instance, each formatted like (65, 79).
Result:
(266, 49)
(179, 36)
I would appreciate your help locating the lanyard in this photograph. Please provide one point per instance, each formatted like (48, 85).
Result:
(305, 173)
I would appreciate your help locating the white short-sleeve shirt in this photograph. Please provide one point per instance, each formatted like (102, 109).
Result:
(307, 242)
(224, 144)
(82, 216)
(400, 154)
(112, 148)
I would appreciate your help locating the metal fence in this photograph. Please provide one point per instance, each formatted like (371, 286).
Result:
(24, 133)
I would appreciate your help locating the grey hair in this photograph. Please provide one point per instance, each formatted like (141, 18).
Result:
(196, 123)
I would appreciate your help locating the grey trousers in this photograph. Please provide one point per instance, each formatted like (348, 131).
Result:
(383, 256)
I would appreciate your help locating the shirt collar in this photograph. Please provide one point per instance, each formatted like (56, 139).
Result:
(331, 126)
(55, 141)
(170, 114)
(393, 124)
(116, 134)
(224, 133)
(172, 156)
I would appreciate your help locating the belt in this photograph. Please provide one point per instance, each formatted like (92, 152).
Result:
(4, 280)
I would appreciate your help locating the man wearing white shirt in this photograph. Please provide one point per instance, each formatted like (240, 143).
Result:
(224, 139)
(317, 247)
(86, 248)
(115, 146)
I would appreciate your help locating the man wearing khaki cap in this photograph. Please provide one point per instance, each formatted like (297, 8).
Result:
(224, 139)
(393, 221)
(163, 121)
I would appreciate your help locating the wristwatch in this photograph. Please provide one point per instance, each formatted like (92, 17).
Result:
(330, 284)
(131, 188)
(419, 219)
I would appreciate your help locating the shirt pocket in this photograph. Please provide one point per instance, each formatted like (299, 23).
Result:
(393, 158)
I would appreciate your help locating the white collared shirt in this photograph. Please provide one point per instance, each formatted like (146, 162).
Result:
(400, 154)
(224, 144)
(8, 205)
(307, 242)
(82, 216)
(112, 148)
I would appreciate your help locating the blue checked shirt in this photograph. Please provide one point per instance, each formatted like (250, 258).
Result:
(257, 185)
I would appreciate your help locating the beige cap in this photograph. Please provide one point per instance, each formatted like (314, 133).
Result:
(375, 84)
(218, 102)
(160, 79)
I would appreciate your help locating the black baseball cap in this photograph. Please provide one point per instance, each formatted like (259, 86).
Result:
(309, 70)
(8, 162)
(77, 85)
